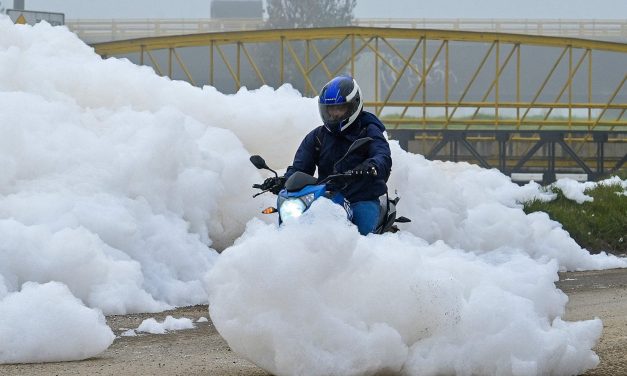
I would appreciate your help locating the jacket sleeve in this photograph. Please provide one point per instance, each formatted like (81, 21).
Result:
(379, 152)
(304, 158)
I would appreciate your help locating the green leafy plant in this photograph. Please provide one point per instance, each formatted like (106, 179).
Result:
(598, 225)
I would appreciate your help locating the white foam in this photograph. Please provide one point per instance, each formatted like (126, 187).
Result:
(121, 185)
(37, 316)
(170, 323)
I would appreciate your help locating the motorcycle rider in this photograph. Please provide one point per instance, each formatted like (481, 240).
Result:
(341, 108)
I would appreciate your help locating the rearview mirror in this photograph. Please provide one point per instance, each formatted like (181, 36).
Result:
(354, 146)
(359, 143)
(259, 162)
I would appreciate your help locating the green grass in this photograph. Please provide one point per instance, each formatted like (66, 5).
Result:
(599, 225)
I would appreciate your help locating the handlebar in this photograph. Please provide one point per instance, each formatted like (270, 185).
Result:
(365, 173)
(260, 193)
(264, 188)
(349, 173)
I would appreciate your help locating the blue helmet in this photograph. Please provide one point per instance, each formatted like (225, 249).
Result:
(340, 102)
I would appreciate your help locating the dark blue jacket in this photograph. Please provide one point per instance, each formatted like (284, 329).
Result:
(333, 146)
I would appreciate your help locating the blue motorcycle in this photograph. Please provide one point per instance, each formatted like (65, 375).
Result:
(302, 189)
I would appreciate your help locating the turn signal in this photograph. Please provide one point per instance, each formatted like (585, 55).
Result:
(269, 210)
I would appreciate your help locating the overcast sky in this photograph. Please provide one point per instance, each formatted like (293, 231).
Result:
(564, 9)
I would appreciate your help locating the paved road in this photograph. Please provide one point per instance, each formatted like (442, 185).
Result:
(601, 294)
(202, 351)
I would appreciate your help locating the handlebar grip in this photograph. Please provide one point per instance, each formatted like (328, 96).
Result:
(258, 186)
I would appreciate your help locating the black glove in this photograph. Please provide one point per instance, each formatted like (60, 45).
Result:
(365, 168)
(278, 185)
(274, 184)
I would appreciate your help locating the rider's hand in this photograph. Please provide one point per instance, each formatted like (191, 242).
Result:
(365, 168)
(278, 185)
(267, 184)
(274, 184)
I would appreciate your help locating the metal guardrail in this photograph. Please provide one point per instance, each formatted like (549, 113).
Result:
(104, 30)
(591, 28)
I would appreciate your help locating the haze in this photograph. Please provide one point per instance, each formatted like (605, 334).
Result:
(551, 9)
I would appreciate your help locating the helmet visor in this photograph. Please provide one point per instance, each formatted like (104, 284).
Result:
(334, 113)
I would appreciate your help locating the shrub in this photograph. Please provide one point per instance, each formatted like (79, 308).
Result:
(598, 225)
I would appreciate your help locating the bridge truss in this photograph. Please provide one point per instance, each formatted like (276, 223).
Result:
(520, 103)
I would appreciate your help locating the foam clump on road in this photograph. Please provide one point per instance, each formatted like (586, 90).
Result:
(121, 186)
(170, 323)
(48, 314)
(314, 297)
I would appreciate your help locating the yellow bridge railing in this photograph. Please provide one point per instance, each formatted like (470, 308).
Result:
(417, 78)
(105, 30)
(526, 93)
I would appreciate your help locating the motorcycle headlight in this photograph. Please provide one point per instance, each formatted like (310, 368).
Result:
(292, 208)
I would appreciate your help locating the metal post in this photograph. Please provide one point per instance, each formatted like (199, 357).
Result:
(518, 82)
(551, 138)
(600, 139)
(307, 63)
(589, 86)
(497, 69)
(239, 64)
(282, 66)
(570, 87)
(211, 68)
(403, 137)
(549, 176)
(376, 75)
(454, 151)
(353, 55)
(446, 73)
(502, 138)
(170, 62)
(424, 82)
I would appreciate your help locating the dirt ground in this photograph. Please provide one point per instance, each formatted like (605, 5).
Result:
(202, 351)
